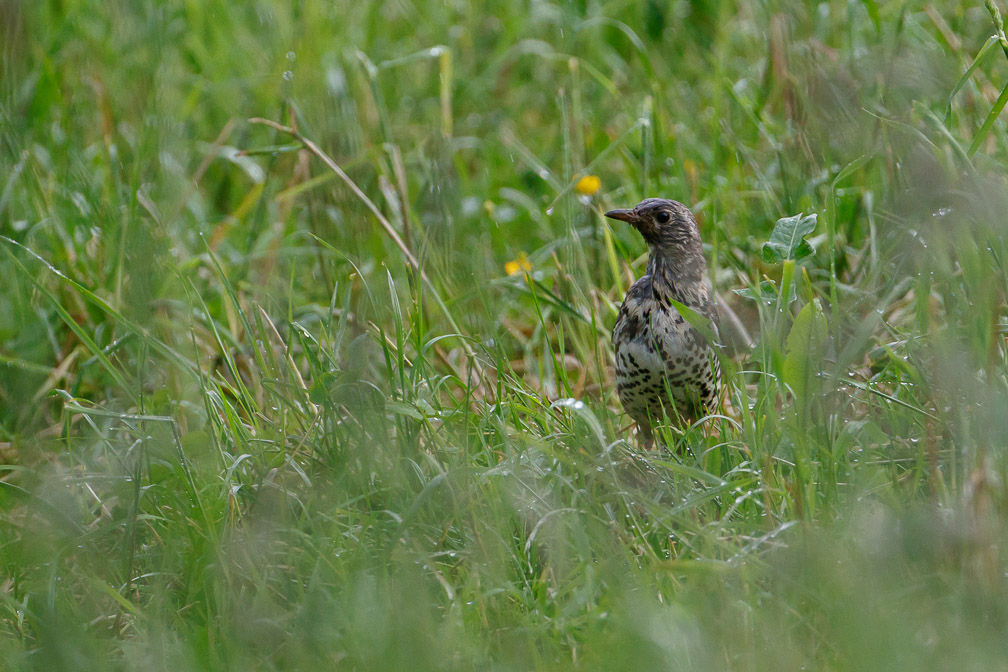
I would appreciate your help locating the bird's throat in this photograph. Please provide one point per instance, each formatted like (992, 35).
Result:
(676, 274)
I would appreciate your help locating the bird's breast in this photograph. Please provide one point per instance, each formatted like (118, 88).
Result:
(652, 339)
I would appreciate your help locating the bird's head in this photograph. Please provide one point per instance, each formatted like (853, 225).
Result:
(666, 225)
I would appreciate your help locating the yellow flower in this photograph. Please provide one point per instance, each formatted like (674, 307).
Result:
(588, 185)
(520, 264)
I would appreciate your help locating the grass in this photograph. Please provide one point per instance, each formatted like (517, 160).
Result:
(245, 427)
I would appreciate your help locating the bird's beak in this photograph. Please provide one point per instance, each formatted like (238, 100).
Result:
(622, 215)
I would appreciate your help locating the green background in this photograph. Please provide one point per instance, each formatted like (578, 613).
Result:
(241, 429)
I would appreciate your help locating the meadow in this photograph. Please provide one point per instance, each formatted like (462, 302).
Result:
(304, 335)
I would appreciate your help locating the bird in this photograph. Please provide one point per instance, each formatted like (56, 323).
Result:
(665, 366)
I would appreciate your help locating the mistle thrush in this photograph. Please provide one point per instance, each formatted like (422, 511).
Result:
(665, 366)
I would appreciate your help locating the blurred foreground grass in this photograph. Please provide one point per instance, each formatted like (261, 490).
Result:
(241, 429)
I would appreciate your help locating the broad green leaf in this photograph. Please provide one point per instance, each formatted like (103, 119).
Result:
(767, 294)
(788, 239)
(806, 343)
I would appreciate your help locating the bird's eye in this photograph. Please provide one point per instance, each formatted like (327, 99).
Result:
(663, 217)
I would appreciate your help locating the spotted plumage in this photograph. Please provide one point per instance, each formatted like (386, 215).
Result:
(665, 366)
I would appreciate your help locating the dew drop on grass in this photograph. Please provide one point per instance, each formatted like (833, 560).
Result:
(291, 56)
(549, 212)
(288, 75)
